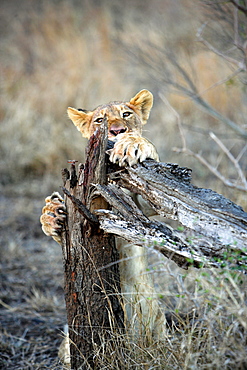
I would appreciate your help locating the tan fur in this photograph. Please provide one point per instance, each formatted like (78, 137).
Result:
(53, 216)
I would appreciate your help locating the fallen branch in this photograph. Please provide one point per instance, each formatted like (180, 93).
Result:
(212, 224)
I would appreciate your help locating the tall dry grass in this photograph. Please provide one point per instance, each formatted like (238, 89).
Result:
(206, 315)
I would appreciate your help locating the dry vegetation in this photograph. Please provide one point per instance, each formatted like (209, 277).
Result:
(56, 54)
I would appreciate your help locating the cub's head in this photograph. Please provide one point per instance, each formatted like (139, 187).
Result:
(121, 117)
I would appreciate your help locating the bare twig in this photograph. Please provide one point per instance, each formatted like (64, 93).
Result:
(221, 82)
(201, 159)
(180, 127)
(239, 7)
(240, 64)
(214, 113)
(236, 34)
(241, 153)
(231, 157)
(214, 170)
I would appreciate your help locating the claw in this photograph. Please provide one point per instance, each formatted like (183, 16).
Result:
(53, 216)
(131, 149)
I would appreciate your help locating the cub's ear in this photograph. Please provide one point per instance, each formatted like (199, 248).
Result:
(81, 119)
(142, 104)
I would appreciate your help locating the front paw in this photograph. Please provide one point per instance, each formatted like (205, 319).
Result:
(130, 149)
(53, 216)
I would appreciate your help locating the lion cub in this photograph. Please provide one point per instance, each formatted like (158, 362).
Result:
(125, 121)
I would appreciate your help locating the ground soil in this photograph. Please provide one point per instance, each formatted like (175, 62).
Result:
(32, 308)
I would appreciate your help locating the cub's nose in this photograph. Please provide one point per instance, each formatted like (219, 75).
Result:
(118, 131)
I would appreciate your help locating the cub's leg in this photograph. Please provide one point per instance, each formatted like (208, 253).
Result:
(53, 216)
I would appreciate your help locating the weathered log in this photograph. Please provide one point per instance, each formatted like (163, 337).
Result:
(92, 294)
(202, 210)
(214, 223)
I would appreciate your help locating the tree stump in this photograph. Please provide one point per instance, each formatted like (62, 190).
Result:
(92, 283)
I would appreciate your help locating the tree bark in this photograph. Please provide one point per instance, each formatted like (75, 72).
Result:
(92, 290)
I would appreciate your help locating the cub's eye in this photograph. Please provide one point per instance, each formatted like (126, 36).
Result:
(126, 114)
(98, 120)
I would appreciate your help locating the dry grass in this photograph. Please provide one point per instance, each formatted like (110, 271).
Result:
(59, 54)
(206, 315)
